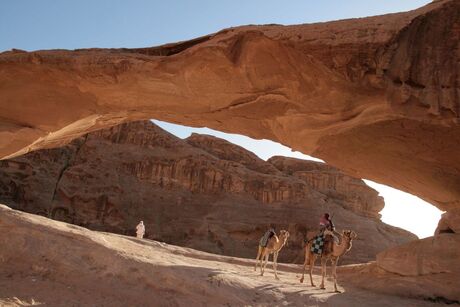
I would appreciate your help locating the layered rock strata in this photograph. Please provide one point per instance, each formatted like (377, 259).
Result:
(202, 192)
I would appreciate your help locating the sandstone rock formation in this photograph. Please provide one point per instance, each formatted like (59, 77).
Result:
(353, 192)
(377, 97)
(45, 262)
(449, 222)
(426, 268)
(202, 192)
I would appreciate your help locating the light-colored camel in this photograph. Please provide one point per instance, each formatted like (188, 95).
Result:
(337, 251)
(274, 245)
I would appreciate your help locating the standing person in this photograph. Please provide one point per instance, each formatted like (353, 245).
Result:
(140, 230)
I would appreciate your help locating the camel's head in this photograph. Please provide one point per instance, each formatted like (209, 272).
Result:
(349, 234)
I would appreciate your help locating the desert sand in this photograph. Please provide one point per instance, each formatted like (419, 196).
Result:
(46, 262)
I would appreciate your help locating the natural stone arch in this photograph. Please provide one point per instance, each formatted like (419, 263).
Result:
(377, 98)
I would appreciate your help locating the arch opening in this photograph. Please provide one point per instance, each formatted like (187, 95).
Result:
(401, 209)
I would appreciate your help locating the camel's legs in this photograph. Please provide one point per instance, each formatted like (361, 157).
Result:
(304, 265)
(275, 263)
(334, 273)
(265, 263)
(312, 265)
(259, 252)
(303, 271)
(323, 271)
(261, 259)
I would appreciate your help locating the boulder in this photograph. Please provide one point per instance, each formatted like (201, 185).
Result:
(449, 222)
(427, 268)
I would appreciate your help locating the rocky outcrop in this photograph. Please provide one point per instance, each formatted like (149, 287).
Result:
(352, 192)
(202, 192)
(225, 150)
(449, 222)
(427, 268)
(423, 257)
(376, 97)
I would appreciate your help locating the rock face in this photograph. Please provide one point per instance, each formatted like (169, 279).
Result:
(352, 192)
(377, 97)
(423, 257)
(449, 222)
(432, 262)
(202, 192)
(426, 268)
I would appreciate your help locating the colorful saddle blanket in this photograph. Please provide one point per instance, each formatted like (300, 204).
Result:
(318, 244)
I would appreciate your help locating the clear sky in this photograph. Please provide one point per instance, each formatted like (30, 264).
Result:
(401, 209)
(66, 24)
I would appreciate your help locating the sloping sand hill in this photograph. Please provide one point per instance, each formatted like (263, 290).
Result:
(50, 263)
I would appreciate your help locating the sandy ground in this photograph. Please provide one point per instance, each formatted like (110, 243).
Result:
(49, 263)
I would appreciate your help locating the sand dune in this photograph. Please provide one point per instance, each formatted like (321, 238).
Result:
(45, 262)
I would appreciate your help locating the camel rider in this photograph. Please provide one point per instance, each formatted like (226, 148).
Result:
(325, 222)
(267, 236)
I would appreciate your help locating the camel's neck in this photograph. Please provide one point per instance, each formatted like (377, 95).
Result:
(280, 243)
(342, 248)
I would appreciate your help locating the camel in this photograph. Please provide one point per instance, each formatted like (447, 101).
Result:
(337, 251)
(274, 245)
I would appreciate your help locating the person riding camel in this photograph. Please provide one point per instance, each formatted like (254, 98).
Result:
(325, 222)
(323, 243)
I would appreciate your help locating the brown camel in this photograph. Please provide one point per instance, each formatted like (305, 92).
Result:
(337, 251)
(274, 245)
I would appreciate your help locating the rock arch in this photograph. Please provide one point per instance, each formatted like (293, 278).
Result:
(377, 97)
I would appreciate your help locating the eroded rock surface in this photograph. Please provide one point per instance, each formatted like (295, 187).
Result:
(202, 192)
(449, 222)
(377, 97)
(427, 268)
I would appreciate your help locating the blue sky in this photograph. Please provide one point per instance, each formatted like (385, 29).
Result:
(52, 24)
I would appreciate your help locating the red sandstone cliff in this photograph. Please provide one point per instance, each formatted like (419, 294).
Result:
(202, 192)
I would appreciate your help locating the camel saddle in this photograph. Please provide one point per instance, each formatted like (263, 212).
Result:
(328, 244)
(322, 244)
